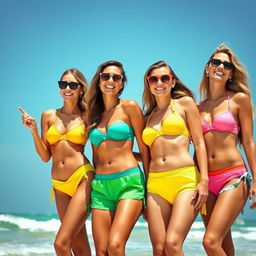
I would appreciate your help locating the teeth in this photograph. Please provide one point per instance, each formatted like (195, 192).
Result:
(160, 89)
(68, 94)
(219, 73)
(110, 86)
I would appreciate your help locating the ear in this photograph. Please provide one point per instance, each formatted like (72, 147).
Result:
(207, 70)
(173, 82)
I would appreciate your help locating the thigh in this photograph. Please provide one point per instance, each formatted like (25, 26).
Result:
(75, 215)
(126, 215)
(183, 215)
(227, 207)
(101, 225)
(62, 201)
(210, 203)
(158, 215)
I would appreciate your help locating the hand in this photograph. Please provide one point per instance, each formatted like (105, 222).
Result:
(252, 196)
(27, 120)
(200, 195)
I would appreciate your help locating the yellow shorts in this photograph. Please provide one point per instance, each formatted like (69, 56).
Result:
(169, 184)
(69, 186)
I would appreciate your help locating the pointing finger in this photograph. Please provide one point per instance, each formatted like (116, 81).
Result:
(22, 111)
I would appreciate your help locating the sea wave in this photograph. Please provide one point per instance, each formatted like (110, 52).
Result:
(31, 224)
(34, 223)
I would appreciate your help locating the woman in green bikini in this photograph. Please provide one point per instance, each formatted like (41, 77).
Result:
(118, 187)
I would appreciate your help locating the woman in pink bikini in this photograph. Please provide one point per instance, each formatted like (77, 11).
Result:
(226, 118)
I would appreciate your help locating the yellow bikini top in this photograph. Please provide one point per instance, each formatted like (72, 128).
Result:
(75, 135)
(173, 124)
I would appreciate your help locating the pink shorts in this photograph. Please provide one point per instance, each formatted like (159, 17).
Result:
(218, 179)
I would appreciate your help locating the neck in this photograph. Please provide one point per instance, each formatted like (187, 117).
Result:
(163, 102)
(216, 90)
(70, 108)
(110, 102)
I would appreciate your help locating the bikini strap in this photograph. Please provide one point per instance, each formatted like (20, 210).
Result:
(150, 116)
(172, 106)
(228, 102)
(57, 116)
(200, 104)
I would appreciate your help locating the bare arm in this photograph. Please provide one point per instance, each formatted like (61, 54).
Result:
(41, 144)
(193, 119)
(246, 124)
(138, 124)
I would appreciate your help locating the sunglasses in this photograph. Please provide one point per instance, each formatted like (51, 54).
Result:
(227, 65)
(153, 80)
(64, 84)
(107, 76)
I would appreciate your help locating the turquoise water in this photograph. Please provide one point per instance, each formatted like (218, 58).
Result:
(33, 234)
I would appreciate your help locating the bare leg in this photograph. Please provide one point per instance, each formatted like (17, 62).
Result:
(158, 213)
(227, 207)
(126, 215)
(183, 216)
(72, 232)
(227, 244)
(101, 225)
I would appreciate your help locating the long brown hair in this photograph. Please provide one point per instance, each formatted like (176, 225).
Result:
(95, 99)
(178, 91)
(82, 105)
(239, 81)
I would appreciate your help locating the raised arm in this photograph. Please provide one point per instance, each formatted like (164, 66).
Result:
(245, 115)
(41, 145)
(193, 119)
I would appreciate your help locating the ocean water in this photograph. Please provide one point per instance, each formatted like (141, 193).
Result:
(33, 235)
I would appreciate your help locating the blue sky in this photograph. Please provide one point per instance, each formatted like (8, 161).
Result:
(41, 39)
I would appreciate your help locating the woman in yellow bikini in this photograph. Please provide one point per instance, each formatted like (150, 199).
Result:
(63, 137)
(176, 190)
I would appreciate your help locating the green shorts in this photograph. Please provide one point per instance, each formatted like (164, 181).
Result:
(108, 189)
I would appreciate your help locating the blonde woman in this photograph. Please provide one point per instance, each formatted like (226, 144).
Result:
(226, 119)
(118, 187)
(176, 190)
(63, 137)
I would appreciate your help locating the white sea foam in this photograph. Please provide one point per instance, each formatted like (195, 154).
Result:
(247, 235)
(32, 225)
(23, 249)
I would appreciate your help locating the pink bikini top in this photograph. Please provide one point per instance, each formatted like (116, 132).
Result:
(224, 122)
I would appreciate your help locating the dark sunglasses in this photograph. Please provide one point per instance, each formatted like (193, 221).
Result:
(107, 76)
(227, 65)
(64, 84)
(153, 80)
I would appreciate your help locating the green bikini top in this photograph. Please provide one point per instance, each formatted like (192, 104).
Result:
(116, 131)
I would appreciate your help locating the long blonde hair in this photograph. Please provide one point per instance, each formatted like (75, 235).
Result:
(95, 99)
(178, 91)
(82, 104)
(239, 81)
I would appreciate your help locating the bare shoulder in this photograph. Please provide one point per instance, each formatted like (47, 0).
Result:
(241, 98)
(186, 102)
(49, 114)
(129, 105)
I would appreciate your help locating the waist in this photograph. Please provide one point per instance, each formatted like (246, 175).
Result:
(169, 162)
(117, 175)
(229, 169)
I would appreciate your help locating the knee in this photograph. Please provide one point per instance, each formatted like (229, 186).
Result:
(172, 246)
(211, 242)
(61, 246)
(158, 249)
(115, 248)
